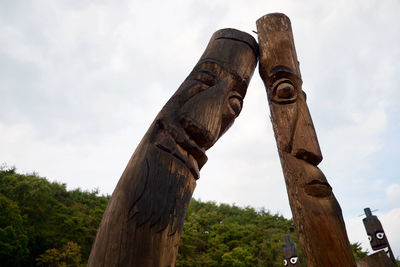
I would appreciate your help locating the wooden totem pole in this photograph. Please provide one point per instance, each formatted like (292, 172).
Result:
(316, 212)
(143, 221)
(290, 256)
(376, 235)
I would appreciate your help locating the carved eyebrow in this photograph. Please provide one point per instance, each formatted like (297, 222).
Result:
(220, 65)
(208, 72)
(281, 68)
(201, 63)
(210, 60)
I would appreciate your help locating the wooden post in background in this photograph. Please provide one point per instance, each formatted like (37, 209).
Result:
(316, 212)
(143, 220)
(290, 256)
(376, 235)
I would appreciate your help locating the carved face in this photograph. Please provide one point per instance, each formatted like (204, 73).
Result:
(203, 109)
(209, 113)
(297, 139)
(291, 258)
(297, 136)
(208, 101)
(376, 235)
(290, 253)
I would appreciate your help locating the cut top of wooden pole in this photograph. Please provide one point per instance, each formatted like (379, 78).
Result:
(231, 55)
(276, 45)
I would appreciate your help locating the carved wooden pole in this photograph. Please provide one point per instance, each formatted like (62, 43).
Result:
(143, 221)
(290, 256)
(376, 235)
(315, 210)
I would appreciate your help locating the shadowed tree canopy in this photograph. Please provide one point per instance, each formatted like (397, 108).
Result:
(37, 215)
(65, 223)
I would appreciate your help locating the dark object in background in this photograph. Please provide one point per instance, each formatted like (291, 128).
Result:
(376, 234)
(290, 256)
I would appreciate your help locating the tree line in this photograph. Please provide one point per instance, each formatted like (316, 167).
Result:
(44, 224)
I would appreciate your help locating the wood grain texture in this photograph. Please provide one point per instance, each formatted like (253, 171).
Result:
(316, 212)
(143, 221)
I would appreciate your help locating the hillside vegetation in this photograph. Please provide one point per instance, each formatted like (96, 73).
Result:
(44, 224)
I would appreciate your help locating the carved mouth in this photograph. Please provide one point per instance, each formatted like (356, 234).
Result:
(317, 188)
(386, 249)
(193, 157)
(381, 247)
(314, 182)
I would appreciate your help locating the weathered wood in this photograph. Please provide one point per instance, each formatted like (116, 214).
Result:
(290, 256)
(378, 259)
(376, 234)
(143, 221)
(316, 212)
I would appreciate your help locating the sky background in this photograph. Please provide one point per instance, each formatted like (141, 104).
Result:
(81, 81)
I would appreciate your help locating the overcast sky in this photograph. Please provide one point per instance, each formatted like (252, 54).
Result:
(81, 81)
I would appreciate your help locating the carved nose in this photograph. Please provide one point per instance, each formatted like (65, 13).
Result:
(305, 142)
(201, 116)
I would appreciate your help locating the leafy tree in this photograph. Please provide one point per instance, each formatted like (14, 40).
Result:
(13, 239)
(358, 252)
(42, 223)
(225, 235)
(69, 255)
(50, 215)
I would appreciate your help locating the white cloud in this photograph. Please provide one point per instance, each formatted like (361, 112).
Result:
(393, 193)
(390, 222)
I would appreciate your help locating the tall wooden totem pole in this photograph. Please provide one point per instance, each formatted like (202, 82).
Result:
(376, 234)
(316, 212)
(143, 221)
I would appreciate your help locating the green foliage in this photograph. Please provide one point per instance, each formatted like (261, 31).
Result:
(357, 251)
(224, 235)
(69, 255)
(13, 239)
(44, 215)
(44, 224)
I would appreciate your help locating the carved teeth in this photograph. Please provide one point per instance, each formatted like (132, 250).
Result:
(387, 251)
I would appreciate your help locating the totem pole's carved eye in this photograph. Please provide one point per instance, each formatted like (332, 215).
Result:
(285, 262)
(380, 235)
(369, 238)
(293, 260)
(284, 92)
